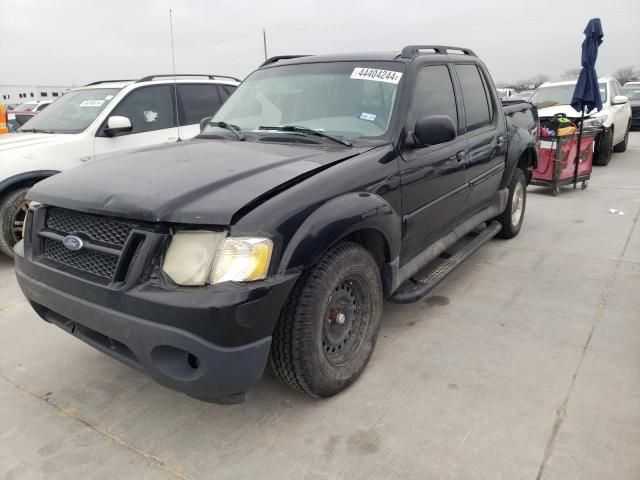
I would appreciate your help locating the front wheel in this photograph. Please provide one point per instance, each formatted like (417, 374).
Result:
(13, 212)
(512, 217)
(603, 148)
(622, 146)
(329, 327)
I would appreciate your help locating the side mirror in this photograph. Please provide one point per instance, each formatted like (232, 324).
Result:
(434, 130)
(204, 122)
(619, 100)
(117, 126)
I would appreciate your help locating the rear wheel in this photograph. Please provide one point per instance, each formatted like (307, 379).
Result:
(512, 217)
(622, 146)
(13, 211)
(604, 148)
(329, 327)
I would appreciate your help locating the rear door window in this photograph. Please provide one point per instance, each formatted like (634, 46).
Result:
(198, 101)
(476, 104)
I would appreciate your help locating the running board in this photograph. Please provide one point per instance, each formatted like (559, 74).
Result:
(414, 289)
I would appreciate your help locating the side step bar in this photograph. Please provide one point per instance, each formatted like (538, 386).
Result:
(414, 289)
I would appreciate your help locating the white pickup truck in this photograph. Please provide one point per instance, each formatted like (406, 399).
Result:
(100, 118)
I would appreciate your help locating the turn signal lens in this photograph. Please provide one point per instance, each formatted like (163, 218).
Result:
(242, 259)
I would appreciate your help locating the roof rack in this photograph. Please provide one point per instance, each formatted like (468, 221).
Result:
(277, 58)
(107, 81)
(411, 51)
(210, 77)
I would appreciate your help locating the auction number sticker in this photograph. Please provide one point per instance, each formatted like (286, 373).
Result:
(387, 76)
(91, 103)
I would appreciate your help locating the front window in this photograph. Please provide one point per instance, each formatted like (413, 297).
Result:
(351, 100)
(73, 112)
(26, 107)
(560, 95)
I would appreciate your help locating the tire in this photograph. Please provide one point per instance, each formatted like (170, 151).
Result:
(622, 146)
(315, 350)
(513, 216)
(604, 148)
(13, 208)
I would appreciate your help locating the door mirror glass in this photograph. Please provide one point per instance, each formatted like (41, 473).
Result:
(204, 122)
(117, 125)
(619, 100)
(434, 130)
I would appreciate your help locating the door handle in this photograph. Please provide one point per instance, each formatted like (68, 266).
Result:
(461, 156)
(500, 140)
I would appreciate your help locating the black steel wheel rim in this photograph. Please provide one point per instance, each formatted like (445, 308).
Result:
(17, 221)
(345, 320)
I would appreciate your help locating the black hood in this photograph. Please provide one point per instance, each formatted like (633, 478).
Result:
(198, 181)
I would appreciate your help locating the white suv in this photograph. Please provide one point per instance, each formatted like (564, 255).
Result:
(100, 118)
(614, 118)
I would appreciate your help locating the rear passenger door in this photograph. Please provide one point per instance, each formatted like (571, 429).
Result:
(433, 179)
(485, 135)
(152, 115)
(195, 102)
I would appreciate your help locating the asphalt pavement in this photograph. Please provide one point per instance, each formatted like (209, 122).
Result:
(523, 364)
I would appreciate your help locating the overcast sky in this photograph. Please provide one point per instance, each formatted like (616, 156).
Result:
(78, 41)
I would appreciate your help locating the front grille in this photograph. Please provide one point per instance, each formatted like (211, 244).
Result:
(99, 229)
(104, 243)
(97, 263)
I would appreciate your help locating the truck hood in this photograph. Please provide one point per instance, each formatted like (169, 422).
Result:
(22, 143)
(566, 109)
(197, 181)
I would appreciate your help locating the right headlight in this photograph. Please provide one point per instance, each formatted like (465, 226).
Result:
(198, 257)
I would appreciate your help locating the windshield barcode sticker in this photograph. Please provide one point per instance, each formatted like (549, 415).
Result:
(387, 76)
(91, 103)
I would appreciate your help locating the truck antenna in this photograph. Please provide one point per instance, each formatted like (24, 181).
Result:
(175, 80)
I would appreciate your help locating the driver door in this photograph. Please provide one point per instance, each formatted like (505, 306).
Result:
(151, 111)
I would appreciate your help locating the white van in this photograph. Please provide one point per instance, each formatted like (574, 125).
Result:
(100, 118)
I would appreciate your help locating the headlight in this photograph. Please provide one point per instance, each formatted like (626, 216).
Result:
(197, 257)
(190, 256)
(595, 121)
(243, 259)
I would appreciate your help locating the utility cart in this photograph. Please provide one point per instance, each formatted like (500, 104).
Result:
(557, 156)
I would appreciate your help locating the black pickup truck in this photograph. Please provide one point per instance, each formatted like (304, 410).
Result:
(323, 186)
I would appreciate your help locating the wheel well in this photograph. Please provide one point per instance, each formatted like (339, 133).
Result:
(529, 158)
(374, 242)
(21, 183)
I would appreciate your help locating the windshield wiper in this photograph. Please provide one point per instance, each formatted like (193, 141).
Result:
(35, 130)
(306, 131)
(227, 126)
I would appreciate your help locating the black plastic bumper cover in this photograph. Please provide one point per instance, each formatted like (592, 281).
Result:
(174, 357)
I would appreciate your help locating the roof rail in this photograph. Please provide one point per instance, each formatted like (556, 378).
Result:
(411, 51)
(108, 81)
(277, 58)
(210, 77)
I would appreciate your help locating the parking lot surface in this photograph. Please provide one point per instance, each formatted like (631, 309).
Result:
(522, 364)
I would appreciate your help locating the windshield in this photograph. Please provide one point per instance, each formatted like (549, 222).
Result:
(73, 112)
(349, 100)
(560, 95)
(633, 93)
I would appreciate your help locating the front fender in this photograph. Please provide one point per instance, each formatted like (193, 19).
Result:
(338, 218)
(521, 141)
(20, 178)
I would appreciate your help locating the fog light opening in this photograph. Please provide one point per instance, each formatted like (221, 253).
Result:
(193, 361)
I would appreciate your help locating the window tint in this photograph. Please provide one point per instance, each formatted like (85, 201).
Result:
(433, 94)
(198, 102)
(476, 105)
(148, 108)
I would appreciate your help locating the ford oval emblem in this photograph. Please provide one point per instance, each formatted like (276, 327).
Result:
(72, 242)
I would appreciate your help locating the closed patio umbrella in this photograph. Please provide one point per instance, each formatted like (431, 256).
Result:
(586, 96)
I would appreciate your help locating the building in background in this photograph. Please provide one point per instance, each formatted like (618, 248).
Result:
(16, 94)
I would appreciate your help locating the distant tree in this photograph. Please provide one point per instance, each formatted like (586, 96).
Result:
(571, 73)
(538, 79)
(626, 74)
